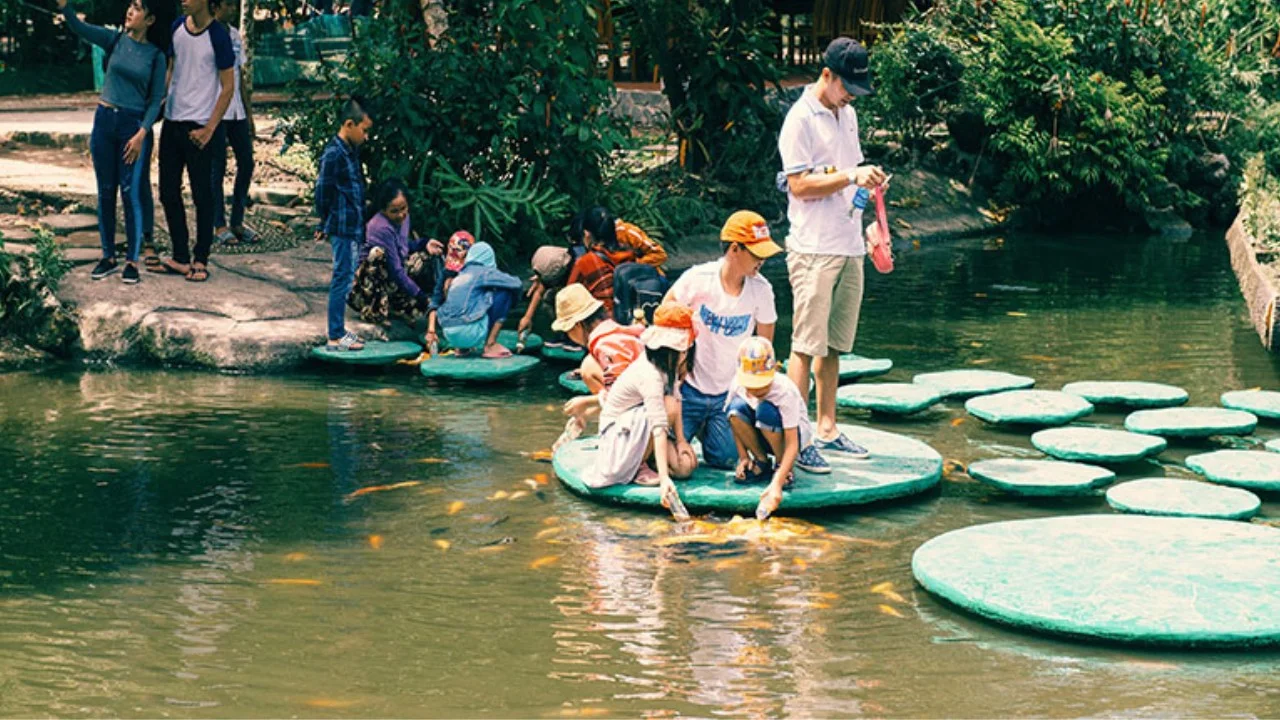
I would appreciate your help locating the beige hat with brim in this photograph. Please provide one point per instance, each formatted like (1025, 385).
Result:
(574, 304)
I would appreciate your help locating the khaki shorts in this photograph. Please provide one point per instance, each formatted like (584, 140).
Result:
(827, 295)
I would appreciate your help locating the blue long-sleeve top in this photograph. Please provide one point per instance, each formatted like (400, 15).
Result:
(135, 73)
(397, 247)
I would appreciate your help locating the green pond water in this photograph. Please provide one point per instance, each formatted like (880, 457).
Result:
(179, 544)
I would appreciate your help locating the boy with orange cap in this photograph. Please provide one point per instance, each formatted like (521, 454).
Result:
(730, 302)
(769, 417)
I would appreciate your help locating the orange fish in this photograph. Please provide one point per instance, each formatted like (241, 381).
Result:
(982, 361)
(541, 478)
(375, 542)
(533, 484)
(957, 422)
(544, 561)
(550, 520)
(309, 465)
(518, 494)
(444, 544)
(890, 610)
(549, 532)
(800, 563)
(541, 455)
(455, 507)
(1040, 358)
(493, 548)
(434, 461)
(328, 703)
(500, 495)
(727, 563)
(293, 581)
(381, 488)
(881, 587)
(825, 595)
(1015, 313)
(295, 557)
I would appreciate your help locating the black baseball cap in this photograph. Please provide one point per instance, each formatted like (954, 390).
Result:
(848, 59)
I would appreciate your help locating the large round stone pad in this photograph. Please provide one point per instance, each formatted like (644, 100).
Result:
(1192, 422)
(561, 354)
(1029, 407)
(375, 352)
(1183, 498)
(570, 381)
(961, 384)
(1263, 403)
(1248, 469)
(1183, 582)
(855, 367)
(1097, 444)
(1040, 478)
(509, 338)
(898, 466)
(1128, 393)
(477, 369)
(888, 398)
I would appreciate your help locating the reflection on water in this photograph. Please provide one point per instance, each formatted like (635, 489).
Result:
(189, 544)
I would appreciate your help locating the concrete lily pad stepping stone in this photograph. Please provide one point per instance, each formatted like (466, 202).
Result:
(1029, 407)
(1248, 469)
(962, 384)
(508, 338)
(1183, 498)
(1193, 422)
(1097, 444)
(1128, 394)
(1176, 582)
(1263, 403)
(899, 466)
(1273, 445)
(561, 354)
(1040, 478)
(573, 384)
(477, 369)
(888, 398)
(855, 367)
(375, 352)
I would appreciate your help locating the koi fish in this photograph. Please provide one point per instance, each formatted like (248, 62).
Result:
(328, 703)
(433, 461)
(309, 465)
(1015, 313)
(381, 488)
(890, 610)
(455, 507)
(295, 557)
(544, 561)
(375, 542)
(293, 581)
(518, 494)
(500, 495)
(957, 422)
(549, 532)
(444, 544)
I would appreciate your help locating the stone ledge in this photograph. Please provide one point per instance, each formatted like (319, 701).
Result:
(1257, 284)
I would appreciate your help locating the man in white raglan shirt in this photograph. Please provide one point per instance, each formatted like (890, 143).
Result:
(822, 160)
(202, 81)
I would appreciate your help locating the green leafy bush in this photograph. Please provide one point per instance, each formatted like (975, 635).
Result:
(918, 78)
(1260, 203)
(29, 310)
(492, 128)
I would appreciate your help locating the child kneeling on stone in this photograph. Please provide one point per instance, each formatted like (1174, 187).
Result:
(477, 303)
(640, 413)
(769, 417)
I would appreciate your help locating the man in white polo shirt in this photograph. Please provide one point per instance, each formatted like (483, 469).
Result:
(822, 160)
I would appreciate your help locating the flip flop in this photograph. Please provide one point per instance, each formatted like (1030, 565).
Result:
(497, 353)
(167, 267)
(198, 274)
(247, 235)
(228, 238)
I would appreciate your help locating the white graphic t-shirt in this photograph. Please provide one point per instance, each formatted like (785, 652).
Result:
(721, 322)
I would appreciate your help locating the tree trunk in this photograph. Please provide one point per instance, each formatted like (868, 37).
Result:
(247, 8)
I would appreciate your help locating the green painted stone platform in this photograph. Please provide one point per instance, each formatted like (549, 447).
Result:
(1249, 469)
(1161, 581)
(1263, 403)
(1028, 407)
(559, 354)
(1191, 422)
(855, 367)
(508, 339)
(899, 466)
(375, 352)
(1097, 444)
(964, 384)
(1183, 498)
(1123, 393)
(573, 384)
(1040, 478)
(888, 398)
(477, 369)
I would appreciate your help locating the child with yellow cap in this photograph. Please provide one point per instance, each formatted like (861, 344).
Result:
(769, 417)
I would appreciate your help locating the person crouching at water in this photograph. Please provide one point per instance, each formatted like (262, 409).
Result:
(769, 417)
(640, 415)
(476, 304)
(398, 278)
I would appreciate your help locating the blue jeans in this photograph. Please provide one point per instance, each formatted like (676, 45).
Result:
(765, 417)
(704, 417)
(241, 142)
(345, 253)
(112, 129)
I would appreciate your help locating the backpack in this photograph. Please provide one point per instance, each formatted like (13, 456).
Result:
(637, 286)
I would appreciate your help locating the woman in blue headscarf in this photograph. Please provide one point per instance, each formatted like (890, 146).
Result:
(478, 301)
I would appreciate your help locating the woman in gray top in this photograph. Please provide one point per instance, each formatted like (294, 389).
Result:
(120, 145)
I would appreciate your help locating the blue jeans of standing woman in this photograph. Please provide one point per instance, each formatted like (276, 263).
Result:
(112, 130)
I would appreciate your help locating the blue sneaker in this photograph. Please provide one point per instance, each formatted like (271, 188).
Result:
(843, 444)
(810, 460)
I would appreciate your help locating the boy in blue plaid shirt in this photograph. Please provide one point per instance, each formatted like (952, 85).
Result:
(340, 204)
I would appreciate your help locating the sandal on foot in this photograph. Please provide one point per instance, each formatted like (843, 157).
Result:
(497, 353)
(150, 258)
(167, 266)
(198, 274)
(228, 238)
(348, 343)
(246, 235)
